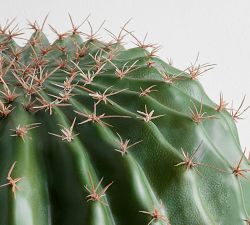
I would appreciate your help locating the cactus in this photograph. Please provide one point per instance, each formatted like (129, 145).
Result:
(92, 133)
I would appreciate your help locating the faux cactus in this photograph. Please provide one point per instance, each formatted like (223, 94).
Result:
(92, 133)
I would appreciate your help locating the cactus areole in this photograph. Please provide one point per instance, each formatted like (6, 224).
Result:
(93, 133)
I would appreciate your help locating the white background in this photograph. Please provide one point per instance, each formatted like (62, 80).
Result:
(218, 29)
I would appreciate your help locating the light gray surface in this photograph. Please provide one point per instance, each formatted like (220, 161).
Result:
(218, 30)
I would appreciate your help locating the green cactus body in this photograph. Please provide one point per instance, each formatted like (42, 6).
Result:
(91, 110)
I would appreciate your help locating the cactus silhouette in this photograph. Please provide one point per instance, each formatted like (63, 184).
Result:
(93, 133)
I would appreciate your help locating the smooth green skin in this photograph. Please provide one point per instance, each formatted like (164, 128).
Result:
(55, 172)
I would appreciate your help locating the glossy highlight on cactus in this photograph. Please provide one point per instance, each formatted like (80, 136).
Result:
(92, 133)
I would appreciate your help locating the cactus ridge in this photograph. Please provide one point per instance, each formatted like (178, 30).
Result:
(93, 133)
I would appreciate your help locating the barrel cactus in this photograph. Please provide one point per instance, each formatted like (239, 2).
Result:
(92, 133)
